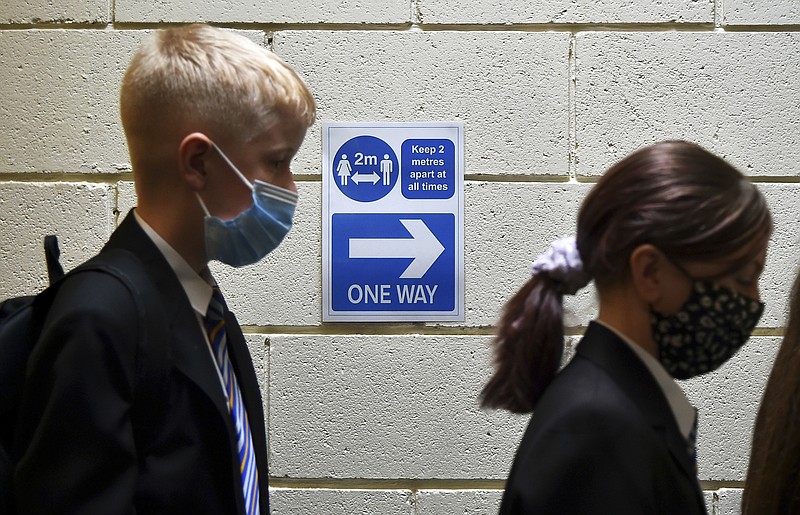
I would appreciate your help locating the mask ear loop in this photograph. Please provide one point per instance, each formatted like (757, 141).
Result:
(202, 204)
(233, 167)
(678, 266)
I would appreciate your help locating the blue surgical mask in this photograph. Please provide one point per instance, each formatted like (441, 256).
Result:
(257, 230)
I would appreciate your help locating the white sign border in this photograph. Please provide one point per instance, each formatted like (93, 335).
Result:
(328, 314)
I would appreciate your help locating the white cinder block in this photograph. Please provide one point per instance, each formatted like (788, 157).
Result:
(385, 407)
(126, 198)
(65, 11)
(79, 214)
(783, 260)
(727, 401)
(458, 502)
(268, 11)
(510, 89)
(737, 94)
(507, 226)
(566, 11)
(729, 501)
(60, 105)
(259, 353)
(318, 501)
(761, 12)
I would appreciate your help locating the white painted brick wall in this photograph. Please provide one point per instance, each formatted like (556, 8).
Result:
(60, 99)
(385, 407)
(383, 418)
(567, 11)
(735, 93)
(510, 89)
(783, 260)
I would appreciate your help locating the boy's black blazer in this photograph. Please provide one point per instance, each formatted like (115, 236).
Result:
(81, 450)
(603, 440)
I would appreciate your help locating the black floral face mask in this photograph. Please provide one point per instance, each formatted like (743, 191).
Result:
(710, 327)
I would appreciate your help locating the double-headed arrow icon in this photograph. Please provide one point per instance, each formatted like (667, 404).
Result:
(423, 247)
(373, 177)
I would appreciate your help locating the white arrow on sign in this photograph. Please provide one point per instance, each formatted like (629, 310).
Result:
(423, 247)
(373, 177)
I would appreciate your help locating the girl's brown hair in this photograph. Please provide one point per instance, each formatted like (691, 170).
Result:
(675, 195)
(773, 478)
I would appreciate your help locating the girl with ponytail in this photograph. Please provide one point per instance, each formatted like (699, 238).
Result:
(675, 240)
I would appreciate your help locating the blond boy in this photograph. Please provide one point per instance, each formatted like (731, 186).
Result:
(212, 122)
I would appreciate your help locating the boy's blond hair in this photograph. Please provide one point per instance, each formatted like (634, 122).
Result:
(196, 76)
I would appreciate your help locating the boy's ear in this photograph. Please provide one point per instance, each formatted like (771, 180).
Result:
(193, 154)
(648, 267)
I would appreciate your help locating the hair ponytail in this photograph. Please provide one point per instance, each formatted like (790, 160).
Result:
(674, 195)
(528, 346)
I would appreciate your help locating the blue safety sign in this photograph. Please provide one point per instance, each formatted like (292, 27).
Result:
(393, 228)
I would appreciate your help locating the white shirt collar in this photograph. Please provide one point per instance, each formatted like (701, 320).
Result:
(198, 288)
(681, 408)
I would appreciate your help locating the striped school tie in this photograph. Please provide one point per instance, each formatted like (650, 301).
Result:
(215, 326)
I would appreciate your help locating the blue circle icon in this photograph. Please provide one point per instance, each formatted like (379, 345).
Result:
(365, 168)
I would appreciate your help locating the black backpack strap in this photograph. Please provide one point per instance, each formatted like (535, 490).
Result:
(153, 355)
(51, 254)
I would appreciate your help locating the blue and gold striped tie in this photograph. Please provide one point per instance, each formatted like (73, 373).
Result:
(215, 326)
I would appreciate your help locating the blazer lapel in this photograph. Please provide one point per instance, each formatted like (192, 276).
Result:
(188, 345)
(604, 348)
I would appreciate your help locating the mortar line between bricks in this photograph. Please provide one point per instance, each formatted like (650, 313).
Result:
(428, 484)
(778, 29)
(418, 329)
(110, 177)
(712, 485)
(572, 116)
(423, 27)
(267, 411)
(100, 177)
(387, 484)
(116, 212)
(387, 329)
